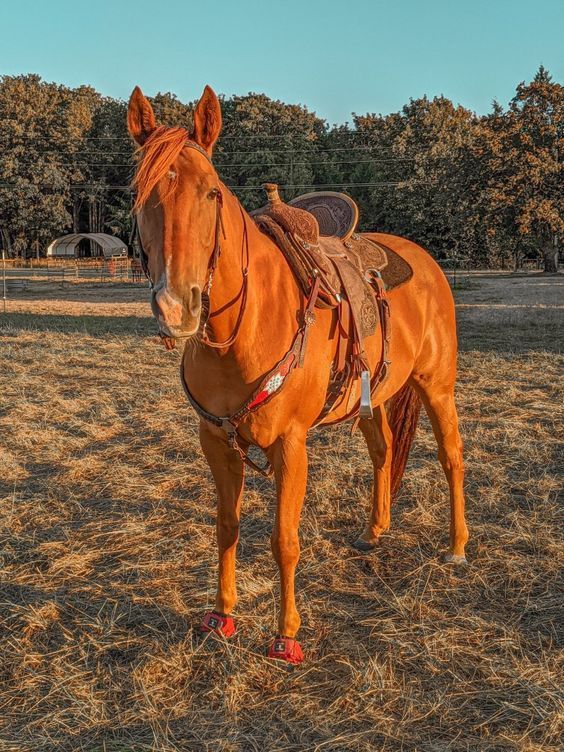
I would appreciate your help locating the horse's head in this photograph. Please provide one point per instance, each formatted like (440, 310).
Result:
(177, 207)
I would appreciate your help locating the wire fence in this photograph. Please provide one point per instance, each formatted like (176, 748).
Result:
(22, 279)
(19, 276)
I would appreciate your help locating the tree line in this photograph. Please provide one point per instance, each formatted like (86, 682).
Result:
(481, 190)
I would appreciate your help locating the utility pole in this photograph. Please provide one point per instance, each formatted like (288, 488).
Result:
(4, 276)
(292, 169)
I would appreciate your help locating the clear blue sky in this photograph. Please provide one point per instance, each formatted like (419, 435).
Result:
(336, 57)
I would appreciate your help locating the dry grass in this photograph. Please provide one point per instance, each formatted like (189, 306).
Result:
(107, 518)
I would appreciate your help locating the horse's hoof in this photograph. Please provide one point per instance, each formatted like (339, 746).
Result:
(361, 545)
(454, 559)
(286, 649)
(218, 624)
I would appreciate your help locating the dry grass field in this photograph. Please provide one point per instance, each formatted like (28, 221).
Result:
(108, 553)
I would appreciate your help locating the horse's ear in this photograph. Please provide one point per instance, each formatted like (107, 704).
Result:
(140, 117)
(207, 120)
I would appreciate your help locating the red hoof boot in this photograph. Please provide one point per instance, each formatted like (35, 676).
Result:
(286, 649)
(218, 624)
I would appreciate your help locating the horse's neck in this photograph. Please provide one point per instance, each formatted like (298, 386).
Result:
(271, 296)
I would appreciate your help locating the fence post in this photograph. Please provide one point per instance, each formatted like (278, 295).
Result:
(4, 277)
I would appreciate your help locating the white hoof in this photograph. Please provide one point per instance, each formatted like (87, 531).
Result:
(455, 559)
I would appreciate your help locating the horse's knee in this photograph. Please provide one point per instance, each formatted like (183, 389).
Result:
(227, 532)
(285, 547)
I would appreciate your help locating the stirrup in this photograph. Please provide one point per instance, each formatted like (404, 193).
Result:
(365, 397)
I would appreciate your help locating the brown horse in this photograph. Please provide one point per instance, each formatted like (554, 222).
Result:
(194, 231)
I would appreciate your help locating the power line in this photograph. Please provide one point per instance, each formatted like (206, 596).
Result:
(226, 165)
(287, 186)
(382, 184)
(319, 149)
(242, 137)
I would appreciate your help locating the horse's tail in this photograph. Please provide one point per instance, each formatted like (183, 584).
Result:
(403, 414)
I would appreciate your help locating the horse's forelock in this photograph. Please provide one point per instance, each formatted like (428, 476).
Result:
(155, 157)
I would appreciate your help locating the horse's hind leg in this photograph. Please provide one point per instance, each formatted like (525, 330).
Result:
(378, 437)
(441, 409)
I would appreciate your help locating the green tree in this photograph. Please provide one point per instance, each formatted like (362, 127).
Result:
(380, 165)
(42, 129)
(437, 199)
(106, 166)
(486, 189)
(524, 169)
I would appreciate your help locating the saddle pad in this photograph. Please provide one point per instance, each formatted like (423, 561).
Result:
(336, 213)
(397, 271)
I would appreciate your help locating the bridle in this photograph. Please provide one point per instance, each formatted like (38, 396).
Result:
(213, 261)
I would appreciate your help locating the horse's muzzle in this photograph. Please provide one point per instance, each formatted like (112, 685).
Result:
(177, 317)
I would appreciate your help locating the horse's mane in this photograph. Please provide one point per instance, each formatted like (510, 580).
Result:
(155, 157)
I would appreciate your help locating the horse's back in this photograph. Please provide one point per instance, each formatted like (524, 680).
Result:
(428, 287)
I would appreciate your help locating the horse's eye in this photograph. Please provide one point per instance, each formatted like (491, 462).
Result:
(213, 193)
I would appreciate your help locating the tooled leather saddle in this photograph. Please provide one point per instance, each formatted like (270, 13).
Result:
(316, 233)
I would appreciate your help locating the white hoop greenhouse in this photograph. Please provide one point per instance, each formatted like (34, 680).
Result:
(67, 245)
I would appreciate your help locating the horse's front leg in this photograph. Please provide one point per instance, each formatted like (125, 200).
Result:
(228, 473)
(288, 456)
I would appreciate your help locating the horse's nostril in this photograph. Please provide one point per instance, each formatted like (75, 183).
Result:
(195, 301)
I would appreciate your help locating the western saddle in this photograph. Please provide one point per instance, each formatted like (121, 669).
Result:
(339, 269)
